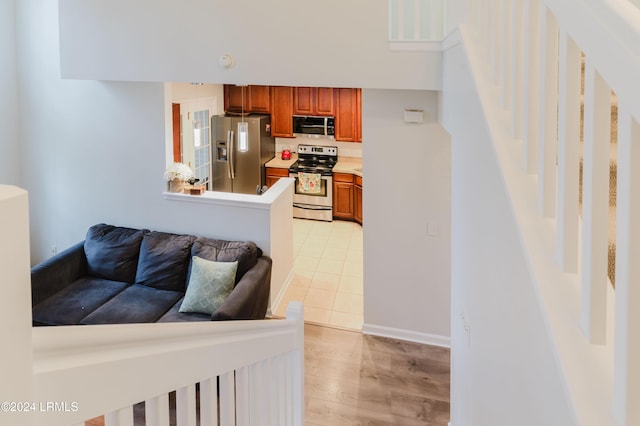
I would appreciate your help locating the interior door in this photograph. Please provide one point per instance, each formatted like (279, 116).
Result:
(196, 137)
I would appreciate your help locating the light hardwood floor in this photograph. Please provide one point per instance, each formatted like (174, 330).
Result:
(354, 379)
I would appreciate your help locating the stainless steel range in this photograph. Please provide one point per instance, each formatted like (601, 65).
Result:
(313, 195)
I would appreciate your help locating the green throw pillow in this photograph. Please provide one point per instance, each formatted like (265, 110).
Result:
(209, 285)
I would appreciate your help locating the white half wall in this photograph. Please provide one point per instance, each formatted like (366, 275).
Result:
(15, 304)
(279, 42)
(406, 171)
(504, 369)
(9, 143)
(281, 240)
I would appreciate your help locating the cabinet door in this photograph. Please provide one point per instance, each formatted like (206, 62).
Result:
(281, 111)
(325, 104)
(233, 98)
(275, 173)
(349, 115)
(343, 200)
(271, 180)
(357, 203)
(304, 100)
(260, 99)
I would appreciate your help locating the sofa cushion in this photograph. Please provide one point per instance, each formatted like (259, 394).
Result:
(174, 315)
(136, 304)
(76, 301)
(112, 252)
(245, 252)
(209, 285)
(164, 261)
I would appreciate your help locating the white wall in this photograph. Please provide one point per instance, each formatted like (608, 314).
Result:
(9, 144)
(504, 371)
(455, 13)
(188, 91)
(96, 152)
(345, 149)
(406, 187)
(277, 42)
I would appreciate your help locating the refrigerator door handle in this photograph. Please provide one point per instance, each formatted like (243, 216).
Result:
(228, 154)
(232, 155)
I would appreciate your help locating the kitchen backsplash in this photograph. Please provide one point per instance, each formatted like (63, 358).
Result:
(347, 149)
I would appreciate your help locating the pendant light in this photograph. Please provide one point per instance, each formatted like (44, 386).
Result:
(243, 129)
(197, 124)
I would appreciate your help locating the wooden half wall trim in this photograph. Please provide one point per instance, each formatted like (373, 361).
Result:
(175, 118)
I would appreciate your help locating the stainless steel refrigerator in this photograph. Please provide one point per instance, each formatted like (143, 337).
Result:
(238, 159)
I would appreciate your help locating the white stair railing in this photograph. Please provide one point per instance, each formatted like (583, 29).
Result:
(238, 372)
(416, 20)
(530, 54)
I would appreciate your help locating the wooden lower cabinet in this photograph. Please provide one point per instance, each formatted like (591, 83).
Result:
(275, 173)
(343, 196)
(357, 199)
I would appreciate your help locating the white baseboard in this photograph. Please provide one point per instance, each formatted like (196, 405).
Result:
(411, 336)
(276, 302)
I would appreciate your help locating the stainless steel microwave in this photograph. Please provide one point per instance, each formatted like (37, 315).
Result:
(313, 126)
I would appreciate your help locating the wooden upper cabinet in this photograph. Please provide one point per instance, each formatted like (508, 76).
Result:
(349, 115)
(256, 99)
(260, 99)
(281, 111)
(233, 97)
(325, 101)
(303, 100)
(282, 102)
(313, 101)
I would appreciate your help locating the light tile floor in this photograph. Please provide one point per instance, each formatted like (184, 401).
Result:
(328, 273)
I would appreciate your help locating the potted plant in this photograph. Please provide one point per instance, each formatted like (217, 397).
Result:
(177, 174)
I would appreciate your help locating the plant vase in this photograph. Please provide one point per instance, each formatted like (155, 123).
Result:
(176, 185)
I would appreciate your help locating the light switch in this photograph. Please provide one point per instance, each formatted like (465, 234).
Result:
(432, 229)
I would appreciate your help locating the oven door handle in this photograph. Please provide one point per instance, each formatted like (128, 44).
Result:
(311, 207)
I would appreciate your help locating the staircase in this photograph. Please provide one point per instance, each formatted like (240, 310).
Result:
(613, 173)
(206, 373)
(523, 60)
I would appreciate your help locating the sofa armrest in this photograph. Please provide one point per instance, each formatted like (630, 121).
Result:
(57, 272)
(250, 297)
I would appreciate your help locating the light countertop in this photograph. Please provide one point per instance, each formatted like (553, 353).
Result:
(278, 163)
(351, 165)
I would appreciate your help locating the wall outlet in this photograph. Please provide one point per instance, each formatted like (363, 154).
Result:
(432, 229)
(54, 250)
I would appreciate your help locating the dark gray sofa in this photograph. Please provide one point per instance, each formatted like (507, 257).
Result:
(125, 275)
